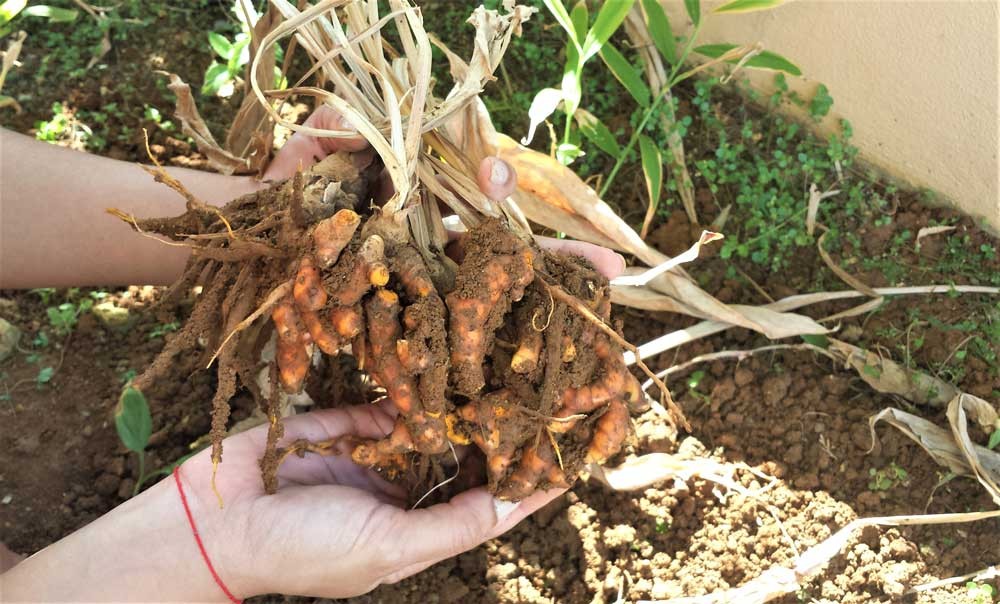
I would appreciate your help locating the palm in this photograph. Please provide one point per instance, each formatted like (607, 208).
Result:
(238, 478)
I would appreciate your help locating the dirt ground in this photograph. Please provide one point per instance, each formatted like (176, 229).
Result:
(791, 415)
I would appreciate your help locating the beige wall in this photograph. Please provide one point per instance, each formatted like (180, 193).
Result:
(917, 79)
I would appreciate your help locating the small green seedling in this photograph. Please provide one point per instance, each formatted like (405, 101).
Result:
(695, 378)
(134, 425)
(163, 328)
(222, 76)
(127, 376)
(980, 593)
(887, 478)
(994, 439)
(44, 376)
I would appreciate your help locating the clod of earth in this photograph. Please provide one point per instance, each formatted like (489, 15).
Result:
(474, 352)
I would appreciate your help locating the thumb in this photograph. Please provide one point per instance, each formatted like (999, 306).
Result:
(496, 178)
(305, 149)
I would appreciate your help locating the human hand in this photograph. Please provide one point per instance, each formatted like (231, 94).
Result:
(496, 177)
(336, 529)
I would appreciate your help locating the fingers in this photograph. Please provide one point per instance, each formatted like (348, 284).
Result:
(448, 529)
(366, 421)
(306, 149)
(608, 262)
(496, 178)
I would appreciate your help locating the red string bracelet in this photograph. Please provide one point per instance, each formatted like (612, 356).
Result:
(197, 538)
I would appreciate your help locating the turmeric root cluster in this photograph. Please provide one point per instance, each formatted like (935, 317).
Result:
(495, 362)
(479, 347)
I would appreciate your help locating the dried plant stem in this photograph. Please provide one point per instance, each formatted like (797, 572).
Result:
(707, 328)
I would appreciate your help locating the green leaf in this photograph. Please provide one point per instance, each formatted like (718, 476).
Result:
(626, 74)
(132, 419)
(652, 169)
(52, 13)
(693, 8)
(597, 133)
(221, 46)
(571, 87)
(580, 16)
(574, 66)
(215, 77)
(765, 60)
(994, 439)
(660, 30)
(818, 340)
(566, 153)
(562, 17)
(609, 19)
(695, 378)
(10, 9)
(239, 56)
(747, 6)
(45, 375)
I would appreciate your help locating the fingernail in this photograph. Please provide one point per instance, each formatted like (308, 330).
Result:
(504, 509)
(345, 124)
(499, 171)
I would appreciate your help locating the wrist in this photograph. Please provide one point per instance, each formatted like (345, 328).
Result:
(143, 550)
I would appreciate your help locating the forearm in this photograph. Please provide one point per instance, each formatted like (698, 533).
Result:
(54, 231)
(143, 551)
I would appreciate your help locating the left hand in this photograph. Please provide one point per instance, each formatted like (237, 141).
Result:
(333, 529)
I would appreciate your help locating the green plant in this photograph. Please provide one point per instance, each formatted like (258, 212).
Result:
(223, 75)
(127, 376)
(63, 318)
(134, 425)
(12, 8)
(163, 328)
(44, 376)
(153, 114)
(980, 593)
(762, 165)
(64, 128)
(585, 42)
(887, 478)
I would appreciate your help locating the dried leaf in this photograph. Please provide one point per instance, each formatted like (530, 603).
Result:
(251, 135)
(890, 377)
(689, 256)
(814, 198)
(647, 470)
(655, 301)
(10, 55)
(984, 462)
(928, 231)
(195, 127)
(951, 448)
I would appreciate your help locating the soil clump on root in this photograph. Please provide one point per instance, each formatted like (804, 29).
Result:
(472, 350)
